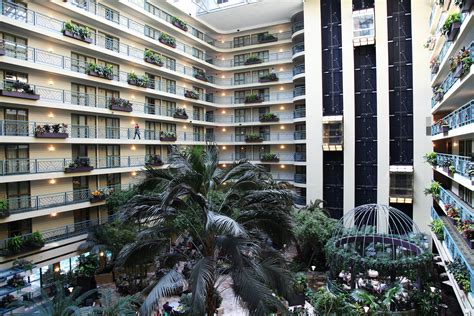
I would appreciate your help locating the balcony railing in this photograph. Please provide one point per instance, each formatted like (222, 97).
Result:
(300, 156)
(299, 113)
(450, 80)
(298, 48)
(28, 203)
(63, 232)
(38, 20)
(448, 198)
(300, 135)
(459, 118)
(297, 26)
(287, 136)
(298, 70)
(46, 165)
(252, 117)
(299, 91)
(300, 178)
(255, 157)
(460, 163)
(454, 250)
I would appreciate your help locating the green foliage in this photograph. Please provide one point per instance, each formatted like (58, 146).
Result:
(253, 138)
(312, 230)
(437, 227)
(300, 283)
(153, 57)
(270, 77)
(119, 198)
(24, 264)
(252, 98)
(104, 71)
(461, 274)
(15, 244)
(434, 189)
(36, 238)
(431, 158)
(113, 305)
(139, 81)
(452, 18)
(253, 59)
(168, 134)
(268, 117)
(82, 31)
(3, 205)
(87, 266)
(179, 23)
(269, 157)
(167, 39)
(426, 300)
(326, 303)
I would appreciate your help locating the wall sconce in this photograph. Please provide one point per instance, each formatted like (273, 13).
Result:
(282, 108)
(101, 254)
(50, 82)
(134, 173)
(51, 114)
(222, 76)
(223, 58)
(224, 129)
(133, 96)
(223, 94)
(52, 181)
(50, 50)
(282, 166)
(185, 127)
(282, 127)
(54, 214)
(282, 146)
(51, 148)
(133, 147)
(223, 112)
(280, 31)
(224, 147)
(281, 88)
(132, 122)
(224, 165)
(184, 106)
(281, 50)
(56, 269)
(281, 69)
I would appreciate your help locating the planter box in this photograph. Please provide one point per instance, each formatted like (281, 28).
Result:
(20, 95)
(97, 199)
(268, 40)
(270, 160)
(121, 108)
(296, 299)
(154, 164)
(199, 77)
(188, 94)
(453, 32)
(148, 60)
(52, 135)
(168, 139)
(445, 128)
(458, 72)
(2, 51)
(435, 69)
(466, 5)
(267, 80)
(104, 278)
(4, 213)
(252, 62)
(95, 74)
(78, 169)
(260, 100)
(185, 28)
(253, 140)
(178, 116)
(77, 37)
(276, 119)
(165, 43)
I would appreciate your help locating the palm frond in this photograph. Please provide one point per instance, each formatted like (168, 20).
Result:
(202, 278)
(140, 251)
(224, 224)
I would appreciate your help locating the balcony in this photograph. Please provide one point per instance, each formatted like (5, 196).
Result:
(401, 184)
(459, 164)
(298, 48)
(252, 117)
(37, 21)
(448, 200)
(62, 232)
(299, 91)
(297, 26)
(298, 70)
(299, 113)
(259, 157)
(462, 117)
(451, 248)
(300, 178)
(300, 156)
(27, 203)
(364, 27)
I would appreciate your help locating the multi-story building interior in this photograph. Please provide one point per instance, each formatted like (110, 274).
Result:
(322, 93)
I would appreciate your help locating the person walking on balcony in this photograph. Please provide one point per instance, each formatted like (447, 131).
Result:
(137, 131)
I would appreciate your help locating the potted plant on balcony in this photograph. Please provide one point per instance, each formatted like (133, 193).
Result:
(470, 171)
(180, 113)
(268, 78)
(34, 241)
(466, 228)
(80, 164)
(431, 158)
(16, 281)
(434, 65)
(269, 157)
(453, 215)
(437, 227)
(167, 40)
(21, 90)
(78, 32)
(253, 138)
(139, 81)
(154, 160)
(97, 196)
(101, 71)
(179, 23)
(23, 264)
(191, 94)
(252, 60)
(7, 301)
(167, 136)
(4, 211)
(268, 117)
(451, 26)
(434, 189)
(464, 5)
(460, 64)
(153, 58)
(267, 38)
(51, 131)
(451, 170)
(119, 104)
(461, 274)
(201, 75)
(446, 164)
(438, 93)
(253, 98)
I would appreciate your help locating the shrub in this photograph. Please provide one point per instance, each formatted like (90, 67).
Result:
(434, 189)
(452, 18)
(437, 227)
(431, 158)
(104, 71)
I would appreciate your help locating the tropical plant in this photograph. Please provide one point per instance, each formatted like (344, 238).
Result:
(300, 283)
(23, 87)
(431, 158)
(104, 71)
(167, 39)
(113, 305)
(452, 169)
(191, 94)
(15, 244)
(81, 31)
(437, 227)
(461, 274)
(153, 57)
(251, 98)
(229, 237)
(118, 198)
(426, 300)
(268, 117)
(270, 77)
(87, 266)
(434, 189)
(4, 212)
(313, 228)
(140, 81)
(179, 23)
(269, 157)
(364, 298)
(168, 134)
(452, 18)
(36, 238)
(327, 303)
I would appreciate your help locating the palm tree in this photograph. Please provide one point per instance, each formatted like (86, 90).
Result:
(113, 306)
(236, 218)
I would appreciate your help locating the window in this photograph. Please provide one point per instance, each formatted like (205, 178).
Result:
(152, 150)
(465, 194)
(15, 46)
(83, 95)
(263, 55)
(112, 128)
(110, 14)
(169, 62)
(153, 106)
(16, 122)
(15, 10)
(239, 60)
(113, 179)
(154, 82)
(264, 132)
(241, 77)
(169, 127)
(18, 228)
(105, 96)
(242, 152)
(198, 113)
(80, 188)
(259, 73)
(169, 107)
(79, 62)
(198, 133)
(239, 115)
(112, 153)
(241, 41)
(79, 151)
(17, 159)
(152, 130)
(198, 53)
(18, 194)
(12, 76)
(83, 126)
(110, 42)
(401, 187)
(239, 96)
(169, 86)
(152, 32)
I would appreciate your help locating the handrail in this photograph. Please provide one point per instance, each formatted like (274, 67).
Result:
(298, 69)
(458, 118)
(451, 200)
(297, 26)
(298, 48)
(299, 91)
(460, 163)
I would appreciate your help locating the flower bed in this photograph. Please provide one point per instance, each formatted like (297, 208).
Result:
(81, 33)
(51, 131)
(119, 104)
(21, 90)
(95, 70)
(152, 58)
(167, 40)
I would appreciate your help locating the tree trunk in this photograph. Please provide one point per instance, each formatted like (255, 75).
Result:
(208, 251)
(210, 300)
